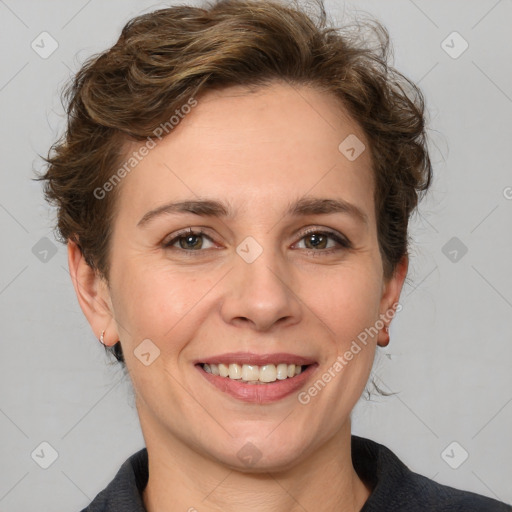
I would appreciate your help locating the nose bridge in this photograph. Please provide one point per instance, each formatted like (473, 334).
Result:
(263, 273)
(259, 290)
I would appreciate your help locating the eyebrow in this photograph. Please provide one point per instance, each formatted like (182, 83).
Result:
(302, 207)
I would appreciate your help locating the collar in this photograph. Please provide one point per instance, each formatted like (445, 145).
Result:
(394, 486)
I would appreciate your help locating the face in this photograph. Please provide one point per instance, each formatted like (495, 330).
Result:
(275, 264)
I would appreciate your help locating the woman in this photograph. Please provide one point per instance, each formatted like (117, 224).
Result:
(234, 187)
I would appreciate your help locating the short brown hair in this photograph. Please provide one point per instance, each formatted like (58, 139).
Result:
(164, 58)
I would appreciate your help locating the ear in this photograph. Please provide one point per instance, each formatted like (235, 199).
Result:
(93, 295)
(390, 296)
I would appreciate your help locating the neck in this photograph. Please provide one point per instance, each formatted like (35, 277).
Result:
(197, 483)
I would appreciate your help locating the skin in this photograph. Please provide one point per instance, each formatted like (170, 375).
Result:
(258, 151)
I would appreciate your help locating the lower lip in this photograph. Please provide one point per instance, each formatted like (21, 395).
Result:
(259, 393)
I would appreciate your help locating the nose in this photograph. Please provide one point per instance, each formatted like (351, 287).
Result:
(260, 294)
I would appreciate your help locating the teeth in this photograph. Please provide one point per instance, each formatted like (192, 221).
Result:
(252, 374)
(268, 373)
(282, 371)
(235, 371)
(223, 370)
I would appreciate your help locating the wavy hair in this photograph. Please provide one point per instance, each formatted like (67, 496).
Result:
(165, 57)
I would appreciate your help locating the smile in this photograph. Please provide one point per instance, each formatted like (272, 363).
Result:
(240, 376)
(253, 374)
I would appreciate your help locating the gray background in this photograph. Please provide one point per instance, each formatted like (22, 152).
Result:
(450, 355)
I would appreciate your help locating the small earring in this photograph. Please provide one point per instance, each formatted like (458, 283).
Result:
(101, 337)
(386, 340)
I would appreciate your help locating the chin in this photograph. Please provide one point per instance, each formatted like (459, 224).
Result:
(260, 453)
(254, 461)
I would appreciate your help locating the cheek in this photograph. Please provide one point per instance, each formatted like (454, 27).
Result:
(347, 300)
(152, 300)
(156, 301)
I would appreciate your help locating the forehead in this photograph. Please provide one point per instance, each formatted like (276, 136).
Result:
(276, 112)
(274, 141)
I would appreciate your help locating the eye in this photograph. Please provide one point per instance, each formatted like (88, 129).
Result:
(315, 240)
(189, 240)
(318, 241)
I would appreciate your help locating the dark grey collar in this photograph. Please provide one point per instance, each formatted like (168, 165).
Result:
(394, 486)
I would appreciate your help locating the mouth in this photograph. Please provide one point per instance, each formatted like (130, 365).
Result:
(254, 374)
(275, 377)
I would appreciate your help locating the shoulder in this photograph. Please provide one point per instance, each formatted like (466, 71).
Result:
(396, 488)
(435, 496)
(124, 492)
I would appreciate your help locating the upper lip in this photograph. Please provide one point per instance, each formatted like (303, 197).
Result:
(256, 359)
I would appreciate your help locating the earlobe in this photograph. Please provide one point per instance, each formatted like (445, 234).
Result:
(390, 298)
(93, 295)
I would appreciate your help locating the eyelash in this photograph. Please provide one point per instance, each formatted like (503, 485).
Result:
(343, 242)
